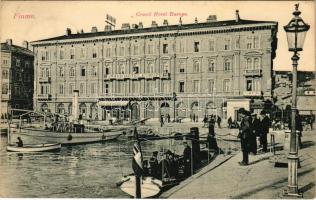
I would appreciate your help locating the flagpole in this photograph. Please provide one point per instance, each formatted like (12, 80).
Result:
(137, 176)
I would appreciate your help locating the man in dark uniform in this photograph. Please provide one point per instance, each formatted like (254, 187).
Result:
(244, 132)
(264, 130)
(153, 162)
(254, 126)
(187, 160)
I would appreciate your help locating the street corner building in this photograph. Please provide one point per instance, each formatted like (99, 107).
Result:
(181, 70)
(17, 77)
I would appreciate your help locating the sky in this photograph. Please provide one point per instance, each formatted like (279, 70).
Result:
(33, 20)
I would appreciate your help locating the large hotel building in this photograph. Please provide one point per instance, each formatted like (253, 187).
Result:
(203, 68)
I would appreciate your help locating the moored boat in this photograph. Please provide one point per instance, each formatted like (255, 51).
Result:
(150, 187)
(34, 148)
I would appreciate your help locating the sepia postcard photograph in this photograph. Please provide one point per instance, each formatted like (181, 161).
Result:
(157, 99)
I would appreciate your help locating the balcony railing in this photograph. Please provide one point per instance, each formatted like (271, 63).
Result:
(252, 93)
(137, 95)
(45, 79)
(44, 96)
(136, 76)
(253, 72)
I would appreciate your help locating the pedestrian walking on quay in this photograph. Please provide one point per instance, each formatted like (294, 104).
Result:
(229, 121)
(219, 120)
(264, 130)
(193, 118)
(244, 133)
(161, 120)
(205, 121)
(255, 127)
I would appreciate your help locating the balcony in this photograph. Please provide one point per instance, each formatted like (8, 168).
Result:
(166, 75)
(253, 72)
(44, 97)
(45, 79)
(137, 96)
(131, 76)
(252, 93)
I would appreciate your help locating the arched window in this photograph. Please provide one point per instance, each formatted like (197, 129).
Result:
(196, 66)
(72, 72)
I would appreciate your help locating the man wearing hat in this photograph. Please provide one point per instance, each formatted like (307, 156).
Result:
(153, 162)
(244, 134)
(187, 159)
(264, 130)
(255, 128)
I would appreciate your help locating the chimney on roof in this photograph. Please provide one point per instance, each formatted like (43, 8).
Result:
(107, 28)
(165, 22)
(154, 24)
(9, 42)
(140, 25)
(237, 16)
(180, 21)
(126, 26)
(196, 20)
(134, 26)
(81, 31)
(26, 44)
(94, 29)
(211, 18)
(68, 31)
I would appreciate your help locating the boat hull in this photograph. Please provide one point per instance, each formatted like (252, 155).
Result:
(34, 148)
(150, 187)
(45, 136)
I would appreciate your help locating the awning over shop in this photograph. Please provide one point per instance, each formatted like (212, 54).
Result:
(112, 103)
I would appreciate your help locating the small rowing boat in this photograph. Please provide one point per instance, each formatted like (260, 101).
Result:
(34, 148)
(150, 187)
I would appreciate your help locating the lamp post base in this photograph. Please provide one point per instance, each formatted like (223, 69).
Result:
(292, 193)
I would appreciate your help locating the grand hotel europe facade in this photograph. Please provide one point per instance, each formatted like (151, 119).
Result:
(213, 67)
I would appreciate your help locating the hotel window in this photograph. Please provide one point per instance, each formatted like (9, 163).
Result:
(5, 62)
(227, 45)
(54, 54)
(256, 42)
(47, 72)
(45, 55)
(42, 72)
(121, 51)
(248, 85)
(181, 86)
(60, 71)
(248, 64)
(107, 70)
(108, 52)
(61, 54)
(165, 48)
(136, 49)
(253, 42)
(106, 88)
(256, 63)
(211, 45)
(94, 52)
(182, 67)
(135, 87)
(5, 88)
(61, 88)
(150, 87)
(196, 46)
(121, 68)
(182, 46)
(18, 63)
(249, 42)
(135, 69)
(72, 53)
(93, 88)
(150, 48)
(72, 72)
(196, 66)
(227, 65)
(93, 71)
(5, 74)
(83, 71)
(165, 68)
(196, 86)
(211, 86)
(82, 88)
(211, 65)
(226, 85)
(71, 88)
(150, 68)
(237, 44)
(164, 86)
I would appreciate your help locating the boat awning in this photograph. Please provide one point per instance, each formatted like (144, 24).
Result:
(112, 103)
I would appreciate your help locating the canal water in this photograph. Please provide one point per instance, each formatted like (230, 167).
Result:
(80, 171)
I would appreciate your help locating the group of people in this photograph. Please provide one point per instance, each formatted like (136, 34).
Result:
(212, 119)
(169, 166)
(194, 117)
(251, 127)
(164, 119)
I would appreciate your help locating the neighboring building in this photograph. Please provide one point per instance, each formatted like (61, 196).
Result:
(17, 72)
(282, 93)
(136, 72)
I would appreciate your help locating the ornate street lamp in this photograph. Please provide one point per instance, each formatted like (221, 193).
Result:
(295, 31)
